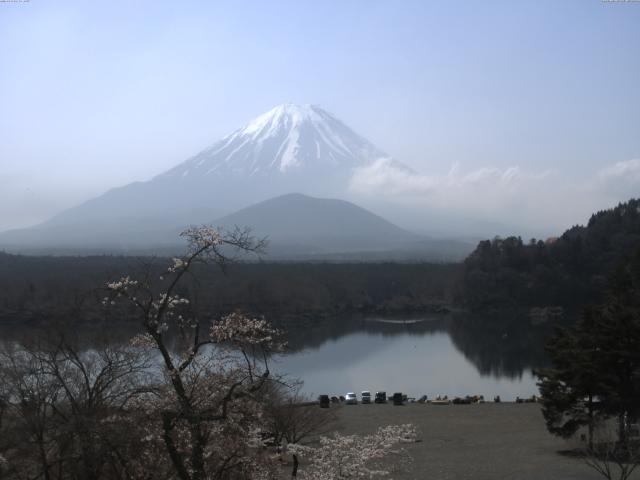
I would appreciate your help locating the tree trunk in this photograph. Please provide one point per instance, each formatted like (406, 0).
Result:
(197, 452)
(622, 428)
(294, 472)
(591, 421)
(43, 458)
(175, 456)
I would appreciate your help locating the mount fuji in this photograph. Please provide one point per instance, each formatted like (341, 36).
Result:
(291, 145)
(291, 148)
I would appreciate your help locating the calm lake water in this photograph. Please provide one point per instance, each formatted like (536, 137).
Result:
(425, 355)
(418, 357)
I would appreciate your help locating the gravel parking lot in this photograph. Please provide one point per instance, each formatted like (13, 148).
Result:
(481, 442)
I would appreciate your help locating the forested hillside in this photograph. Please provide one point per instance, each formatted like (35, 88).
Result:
(39, 288)
(568, 271)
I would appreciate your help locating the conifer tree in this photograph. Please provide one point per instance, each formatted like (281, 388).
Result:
(595, 369)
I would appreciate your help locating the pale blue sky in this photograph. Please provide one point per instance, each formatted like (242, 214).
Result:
(98, 94)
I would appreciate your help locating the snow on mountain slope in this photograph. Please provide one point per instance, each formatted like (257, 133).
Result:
(284, 140)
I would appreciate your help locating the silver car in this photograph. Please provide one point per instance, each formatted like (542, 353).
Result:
(351, 399)
(366, 397)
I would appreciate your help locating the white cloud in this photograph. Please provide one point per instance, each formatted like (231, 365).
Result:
(621, 178)
(386, 177)
(534, 199)
(629, 169)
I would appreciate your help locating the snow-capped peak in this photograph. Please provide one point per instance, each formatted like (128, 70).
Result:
(289, 138)
(290, 148)
(296, 113)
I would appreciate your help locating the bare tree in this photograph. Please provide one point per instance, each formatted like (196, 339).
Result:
(294, 418)
(612, 459)
(63, 403)
(29, 402)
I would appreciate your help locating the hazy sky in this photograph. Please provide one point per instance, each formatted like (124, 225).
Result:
(470, 94)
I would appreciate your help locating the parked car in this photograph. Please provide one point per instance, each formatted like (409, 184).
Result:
(398, 398)
(461, 400)
(381, 397)
(324, 401)
(351, 399)
(365, 397)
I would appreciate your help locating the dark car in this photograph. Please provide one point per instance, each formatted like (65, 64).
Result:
(398, 399)
(381, 397)
(461, 401)
(324, 401)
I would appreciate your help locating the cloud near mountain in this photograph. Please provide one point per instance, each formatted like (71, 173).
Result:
(513, 195)
(383, 177)
(621, 177)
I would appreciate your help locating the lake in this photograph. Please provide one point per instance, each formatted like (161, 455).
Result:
(454, 355)
(418, 356)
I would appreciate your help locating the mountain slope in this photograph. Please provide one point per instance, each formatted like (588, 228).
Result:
(315, 225)
(291, 148)
(300, 227)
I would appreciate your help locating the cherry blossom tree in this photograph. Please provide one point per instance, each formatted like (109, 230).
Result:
(208, 411)
(340, 457)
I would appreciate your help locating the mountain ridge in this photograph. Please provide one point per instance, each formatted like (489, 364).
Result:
(337, 224)
(289, 148)
(297, 227)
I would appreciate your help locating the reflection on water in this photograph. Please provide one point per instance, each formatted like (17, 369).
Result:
(425, 355)
(428, 355)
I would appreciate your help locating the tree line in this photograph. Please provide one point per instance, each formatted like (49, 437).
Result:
(35, 289)
(569, 271)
